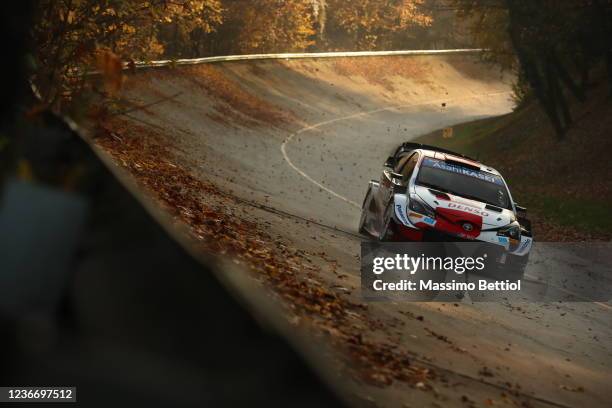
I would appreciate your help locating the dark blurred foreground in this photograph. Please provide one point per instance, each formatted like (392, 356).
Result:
(94, 293)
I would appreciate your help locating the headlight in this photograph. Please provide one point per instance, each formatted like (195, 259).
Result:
(512, 231)
(420, 207)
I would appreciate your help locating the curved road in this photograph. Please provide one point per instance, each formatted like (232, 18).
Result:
(345, 116)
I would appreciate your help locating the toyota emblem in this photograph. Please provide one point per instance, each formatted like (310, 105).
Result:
(467, 226)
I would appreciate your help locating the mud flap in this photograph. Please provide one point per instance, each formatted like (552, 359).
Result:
(365, 208)
(399, 202)
(524, 246)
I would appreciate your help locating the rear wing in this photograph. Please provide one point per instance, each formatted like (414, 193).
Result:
(409, 146)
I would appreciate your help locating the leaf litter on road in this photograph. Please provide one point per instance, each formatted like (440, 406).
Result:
(217, 231)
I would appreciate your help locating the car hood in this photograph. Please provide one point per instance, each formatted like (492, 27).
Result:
(491, 217)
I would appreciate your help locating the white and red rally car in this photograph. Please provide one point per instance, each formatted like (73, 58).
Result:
(427, 194)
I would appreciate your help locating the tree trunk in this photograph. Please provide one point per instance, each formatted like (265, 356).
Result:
(556, 94)
(566, 77)
(529, 62)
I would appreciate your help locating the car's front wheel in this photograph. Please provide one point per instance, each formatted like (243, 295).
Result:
(516, 270)
(513, 270)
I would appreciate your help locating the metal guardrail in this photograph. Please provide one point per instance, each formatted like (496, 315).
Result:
(304, 55)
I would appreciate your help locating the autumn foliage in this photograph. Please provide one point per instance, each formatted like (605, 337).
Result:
(372, 24)
(557, 48)
(74, 37)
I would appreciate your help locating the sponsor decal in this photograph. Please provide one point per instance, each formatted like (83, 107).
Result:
(468, 208)
(415, 215)
(439, 164)
(429, 221)
(502, 240)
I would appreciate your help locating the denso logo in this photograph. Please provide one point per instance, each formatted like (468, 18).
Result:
(469, 209)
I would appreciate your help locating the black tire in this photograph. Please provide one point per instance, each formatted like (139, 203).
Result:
(517, 270)
(513, 272)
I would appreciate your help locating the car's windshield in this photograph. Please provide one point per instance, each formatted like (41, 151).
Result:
(463, 181)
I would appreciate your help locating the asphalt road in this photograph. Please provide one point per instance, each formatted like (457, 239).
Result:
(345, 118)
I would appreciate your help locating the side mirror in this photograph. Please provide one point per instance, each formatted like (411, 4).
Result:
(390, 162)
(522, 211)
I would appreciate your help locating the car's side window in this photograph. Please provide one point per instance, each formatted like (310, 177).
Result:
(408, 168)
(401, 163)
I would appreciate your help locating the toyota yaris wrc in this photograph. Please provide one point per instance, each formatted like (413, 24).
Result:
(427, 194)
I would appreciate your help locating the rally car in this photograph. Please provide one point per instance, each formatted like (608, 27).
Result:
(426, 193)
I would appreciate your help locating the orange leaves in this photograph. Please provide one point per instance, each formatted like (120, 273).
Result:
(382, 71)
(410, 14)
(239, 105)
(370, 23)
(67, 33)
(216, 228)
(111, 69)
(272, 26)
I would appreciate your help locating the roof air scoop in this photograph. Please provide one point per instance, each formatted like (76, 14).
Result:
(462, 163)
